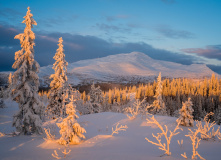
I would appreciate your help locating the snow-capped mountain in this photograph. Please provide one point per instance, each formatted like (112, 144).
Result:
(127, 67)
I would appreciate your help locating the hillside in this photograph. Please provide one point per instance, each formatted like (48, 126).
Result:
(128, 67)
(122, 68)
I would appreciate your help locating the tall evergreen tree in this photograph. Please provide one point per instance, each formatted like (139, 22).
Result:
(159, 105)
(58, 85)
(26, 82)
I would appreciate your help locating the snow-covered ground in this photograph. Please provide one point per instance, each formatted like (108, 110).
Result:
(99, 145)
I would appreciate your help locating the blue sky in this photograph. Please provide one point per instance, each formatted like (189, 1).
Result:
(183, 31)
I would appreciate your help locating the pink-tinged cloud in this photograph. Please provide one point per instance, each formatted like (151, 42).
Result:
(208, 52)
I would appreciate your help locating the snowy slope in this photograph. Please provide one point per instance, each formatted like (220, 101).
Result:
(128, 67)
(123, 68)
(99, 145)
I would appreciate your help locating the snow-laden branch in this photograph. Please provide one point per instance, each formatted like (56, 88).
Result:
(49, 136)
(136, 109)
(65, 153)
(55, 155)
(163, 146)
(184, 155)
(195, 142)
(207, 130)
(117, 129)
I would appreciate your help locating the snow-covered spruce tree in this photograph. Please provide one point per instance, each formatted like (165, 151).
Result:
(26, 82)
(186, 114)
(96, 98)
(70, 130)
(158, 104)
(58, 85)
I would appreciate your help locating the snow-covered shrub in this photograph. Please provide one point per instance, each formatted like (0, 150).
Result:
(65, 153)
(180, 143)
(184, 155)
(70, 130)
(163, 146)
(96, 98)
(195, 142)
(138, 107)
(117, 129)
(186, 114)
(207, 130)
(25, 82)
(85, 108)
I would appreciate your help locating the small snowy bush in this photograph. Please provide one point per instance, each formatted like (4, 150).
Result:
(186, 117)
(195, 142)
(207, 130)
(70, 130)
(163, 146)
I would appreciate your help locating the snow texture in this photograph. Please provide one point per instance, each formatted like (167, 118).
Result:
(99, 144)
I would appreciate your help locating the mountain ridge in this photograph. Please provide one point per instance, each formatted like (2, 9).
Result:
(125, 68)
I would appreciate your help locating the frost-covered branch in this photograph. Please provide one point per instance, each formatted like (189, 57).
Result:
(65, 153)
(2, 134)
(49, 136)
(117, 129)
(55, 155)
(195, 142)
(184, 155)
(163, 146)
(219, 136)
(136, 109)
(180, 143)
(207, 130)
